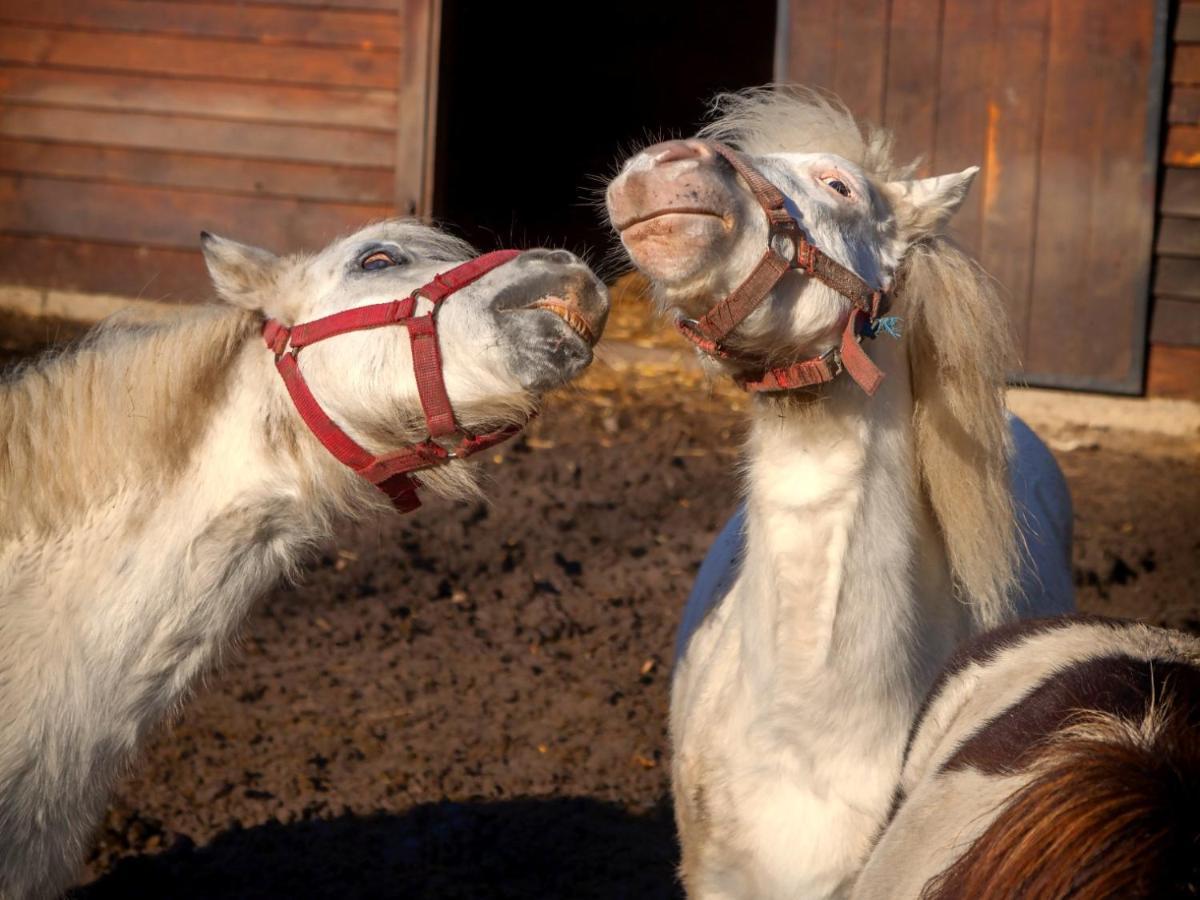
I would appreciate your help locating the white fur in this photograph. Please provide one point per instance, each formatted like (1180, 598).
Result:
(829, 602)
(792, 698)
(109, 615)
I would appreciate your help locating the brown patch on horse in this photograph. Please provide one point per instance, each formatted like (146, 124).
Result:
(982, 649)
(1117, 686)
(985, 648)
(1112, 810)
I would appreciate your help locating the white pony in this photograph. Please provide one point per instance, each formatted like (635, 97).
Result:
(156, 480)
(878, 531)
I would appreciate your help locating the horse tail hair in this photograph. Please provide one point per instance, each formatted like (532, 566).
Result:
(1112, 810)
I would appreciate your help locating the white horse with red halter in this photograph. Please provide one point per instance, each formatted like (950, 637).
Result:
(878, 529)
(157, 480)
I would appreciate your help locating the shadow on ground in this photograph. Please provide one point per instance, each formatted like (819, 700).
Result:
(554, 848)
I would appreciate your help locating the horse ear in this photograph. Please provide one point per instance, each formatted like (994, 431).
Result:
(243, 275)
(924, 205)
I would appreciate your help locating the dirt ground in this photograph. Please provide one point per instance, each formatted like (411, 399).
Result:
(471, 701)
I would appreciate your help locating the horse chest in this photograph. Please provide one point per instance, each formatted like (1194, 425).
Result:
(768, 827)
(774, 800)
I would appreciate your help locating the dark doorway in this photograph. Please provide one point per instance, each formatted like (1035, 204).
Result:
(539, 101)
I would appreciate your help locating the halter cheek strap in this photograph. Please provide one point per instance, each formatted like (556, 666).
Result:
(709, 331)
(391, 473)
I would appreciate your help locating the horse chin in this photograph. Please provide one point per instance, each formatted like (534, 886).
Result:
(674, 249)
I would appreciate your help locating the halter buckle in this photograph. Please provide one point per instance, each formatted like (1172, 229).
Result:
(833, 358)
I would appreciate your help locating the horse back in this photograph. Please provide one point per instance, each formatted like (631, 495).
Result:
(1057, 758)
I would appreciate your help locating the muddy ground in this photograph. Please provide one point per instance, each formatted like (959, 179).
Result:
(471, 701)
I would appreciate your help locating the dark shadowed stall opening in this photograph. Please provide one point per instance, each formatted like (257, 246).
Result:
(539, 102)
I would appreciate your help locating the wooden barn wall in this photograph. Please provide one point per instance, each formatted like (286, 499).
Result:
(1060, 102)
(128, 126)
(1175, 320)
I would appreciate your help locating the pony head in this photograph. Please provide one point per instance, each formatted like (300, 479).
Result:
(694, 228)
(524, 327)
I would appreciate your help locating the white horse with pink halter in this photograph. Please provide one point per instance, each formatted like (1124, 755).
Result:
(892, 507)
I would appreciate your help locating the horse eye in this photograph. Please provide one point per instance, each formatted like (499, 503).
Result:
(839, 186)
(380, 259)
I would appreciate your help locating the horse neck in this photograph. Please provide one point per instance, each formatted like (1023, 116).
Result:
(126, 416)
(160, 569)
(845, 573)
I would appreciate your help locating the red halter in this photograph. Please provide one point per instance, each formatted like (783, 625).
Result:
(713, 327)
(391, 473)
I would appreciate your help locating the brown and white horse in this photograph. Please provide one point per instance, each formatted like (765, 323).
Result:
(1054, 758)
(156, 480)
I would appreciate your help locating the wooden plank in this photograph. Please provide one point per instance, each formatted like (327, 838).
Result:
(1176, 321)
(1187, 25)
(1095, 210)
(1184, 107)
(268, 25)
(161, 217)
(910, 102)
(1008, 184)
(186, 170)
(1177, 277)
(198, 58)
(861, 56)
(812, 42)
(1173, 372)
(366, 108)
(332, 4)
(962, 109)
(417, 123)
(1185, 69)
(296, 143)
(73, 265)
(1182, 146)
(1180, 193)
(1178, 237)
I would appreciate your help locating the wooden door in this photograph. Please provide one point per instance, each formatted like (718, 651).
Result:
(1059, 101)
(127, 126)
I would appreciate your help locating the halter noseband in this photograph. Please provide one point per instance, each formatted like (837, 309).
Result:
(714, 326)
(391, 473)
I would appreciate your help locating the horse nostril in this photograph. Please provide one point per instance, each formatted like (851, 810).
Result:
(676, 151)
(562, 257)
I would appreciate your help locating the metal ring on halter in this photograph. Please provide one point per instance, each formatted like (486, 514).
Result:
(833, 356)
(778, 240)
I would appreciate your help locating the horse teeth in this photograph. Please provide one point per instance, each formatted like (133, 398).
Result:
(574, 320)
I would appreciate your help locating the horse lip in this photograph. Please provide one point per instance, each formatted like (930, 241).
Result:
(669, 211)
(575, 317)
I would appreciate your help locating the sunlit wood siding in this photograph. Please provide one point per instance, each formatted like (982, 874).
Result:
(127, 126)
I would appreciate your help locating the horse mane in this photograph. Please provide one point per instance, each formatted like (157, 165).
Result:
(1113, 810)
(960, 345)
(128, 402)
(960, 351)
(793, 119)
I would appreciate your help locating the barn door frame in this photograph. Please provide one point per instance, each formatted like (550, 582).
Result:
(417, 99)
(1133, 380)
